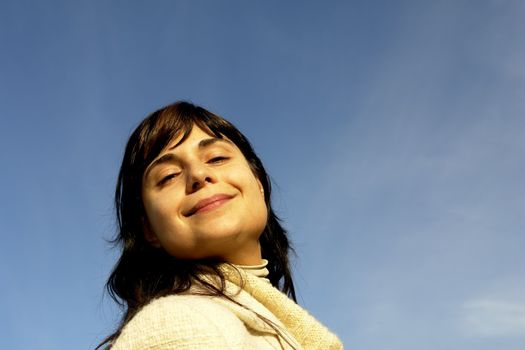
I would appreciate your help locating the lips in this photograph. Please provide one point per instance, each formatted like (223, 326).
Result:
(208, 203)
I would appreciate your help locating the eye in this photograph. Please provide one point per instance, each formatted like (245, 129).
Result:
(218, 159)
(167, 178)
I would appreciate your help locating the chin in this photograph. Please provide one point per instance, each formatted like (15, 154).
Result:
(231, 230)
(221, 230)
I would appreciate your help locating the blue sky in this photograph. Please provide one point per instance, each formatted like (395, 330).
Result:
(393, 132)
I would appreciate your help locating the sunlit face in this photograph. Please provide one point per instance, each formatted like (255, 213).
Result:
(202, 200)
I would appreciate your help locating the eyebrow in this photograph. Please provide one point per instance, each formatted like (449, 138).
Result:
(208, 142)
(170, 157)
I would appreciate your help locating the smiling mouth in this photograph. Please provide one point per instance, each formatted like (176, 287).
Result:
(209, 204)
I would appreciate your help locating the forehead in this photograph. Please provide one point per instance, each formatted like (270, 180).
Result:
(195, 138)
(187, 138)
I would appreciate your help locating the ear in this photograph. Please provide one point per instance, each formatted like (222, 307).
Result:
(261, 188)
(149, 235)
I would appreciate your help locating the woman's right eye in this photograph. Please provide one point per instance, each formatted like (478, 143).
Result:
(167, 178)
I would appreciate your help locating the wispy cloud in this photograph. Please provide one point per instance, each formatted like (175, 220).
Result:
(492, 318)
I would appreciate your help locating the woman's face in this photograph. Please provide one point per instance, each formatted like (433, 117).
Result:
(202, 200)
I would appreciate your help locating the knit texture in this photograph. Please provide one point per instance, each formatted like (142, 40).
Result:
(260, 318)
(309, 332)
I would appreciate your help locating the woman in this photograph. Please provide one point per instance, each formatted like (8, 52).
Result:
(204, 261)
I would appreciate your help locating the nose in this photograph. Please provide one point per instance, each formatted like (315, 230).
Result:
(198, 176)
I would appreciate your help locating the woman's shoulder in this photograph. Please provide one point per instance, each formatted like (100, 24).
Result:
(185, 322)
(181, 303)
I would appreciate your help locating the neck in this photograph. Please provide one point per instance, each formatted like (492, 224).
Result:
(246, 256)
(259, 270)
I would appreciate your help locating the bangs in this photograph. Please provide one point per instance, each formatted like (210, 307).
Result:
(167, 124)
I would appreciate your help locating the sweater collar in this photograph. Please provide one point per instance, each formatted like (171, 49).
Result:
(259, 271)
(309, 332)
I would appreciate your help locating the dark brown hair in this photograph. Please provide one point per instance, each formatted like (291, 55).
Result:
(144, 272)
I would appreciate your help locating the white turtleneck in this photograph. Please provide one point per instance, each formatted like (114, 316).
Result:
(257, 270)
(198, 321)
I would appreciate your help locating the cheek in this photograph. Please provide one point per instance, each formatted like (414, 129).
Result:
(162, 213)
(257, 204)
(258, 215)
(249, 186)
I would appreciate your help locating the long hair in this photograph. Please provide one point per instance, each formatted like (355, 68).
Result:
(144, 272)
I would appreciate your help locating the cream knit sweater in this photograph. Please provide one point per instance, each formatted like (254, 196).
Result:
(265, 319)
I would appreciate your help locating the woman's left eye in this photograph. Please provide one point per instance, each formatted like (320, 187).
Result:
(217, 159)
